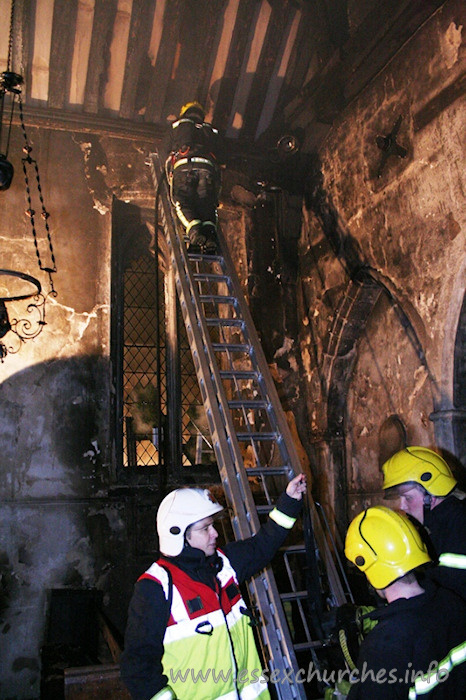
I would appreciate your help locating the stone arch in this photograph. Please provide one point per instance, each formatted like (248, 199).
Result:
(368, 309)
(459, 389)
(449, 416)
(358, 301)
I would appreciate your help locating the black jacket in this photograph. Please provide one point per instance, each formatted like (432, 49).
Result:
(141, 661)
(188, 137)
(446, 527)
(410, 635)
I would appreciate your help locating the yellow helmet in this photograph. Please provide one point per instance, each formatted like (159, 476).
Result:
(421, 466)
(193, 107)
(384, 544)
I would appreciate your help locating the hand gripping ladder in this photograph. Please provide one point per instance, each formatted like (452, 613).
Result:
(253, 445)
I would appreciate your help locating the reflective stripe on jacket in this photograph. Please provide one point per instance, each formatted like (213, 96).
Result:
(209, 647)
(428, 682)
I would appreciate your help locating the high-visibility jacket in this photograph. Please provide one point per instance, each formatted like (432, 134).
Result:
(142, 662)
(209, 647)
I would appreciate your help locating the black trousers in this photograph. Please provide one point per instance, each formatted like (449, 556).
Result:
(194, 192)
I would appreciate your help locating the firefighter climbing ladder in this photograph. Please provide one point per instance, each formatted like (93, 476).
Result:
(253, 445)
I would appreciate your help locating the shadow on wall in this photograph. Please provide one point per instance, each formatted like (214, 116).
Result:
(59, 527)
(51, 418)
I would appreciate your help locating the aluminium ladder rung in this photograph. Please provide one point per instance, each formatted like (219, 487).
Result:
(248, 403)
(304, 646)
(294, 595)
(210, 277)
(228, 322)
(195, 274)
(232, 347)
(268, 471)
(264, 509)
(244, 437)
(241, 374)
(296, 549)
(217, 299)
(204, 256)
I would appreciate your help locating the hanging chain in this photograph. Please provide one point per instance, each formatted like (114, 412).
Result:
(28, 160)
(24, 329)
(10, 38)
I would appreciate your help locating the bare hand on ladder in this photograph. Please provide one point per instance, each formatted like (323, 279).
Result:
(297, 487)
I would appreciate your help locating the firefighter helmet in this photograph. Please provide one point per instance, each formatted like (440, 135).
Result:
(193, 107)
(421, 466)
(385, 545)
(178, 510)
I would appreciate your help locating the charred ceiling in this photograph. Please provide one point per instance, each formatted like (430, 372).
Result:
(261, 67)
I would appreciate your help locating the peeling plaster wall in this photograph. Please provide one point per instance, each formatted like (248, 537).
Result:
(61, 525)
(408, 229)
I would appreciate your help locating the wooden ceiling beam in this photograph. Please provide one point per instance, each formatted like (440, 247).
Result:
(312, 51)
(196, 38)
(104, 20)
(165, 61)
(23, 39)
(279, 20)
(212, 38)
(138, 69)
(63, 120)
(245, 17)
(63, 36)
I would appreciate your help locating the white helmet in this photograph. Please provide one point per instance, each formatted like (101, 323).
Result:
(180, 509)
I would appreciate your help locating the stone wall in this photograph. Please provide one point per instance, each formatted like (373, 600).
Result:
(382, 270)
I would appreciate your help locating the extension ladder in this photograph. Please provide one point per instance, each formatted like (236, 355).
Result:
(252, 441)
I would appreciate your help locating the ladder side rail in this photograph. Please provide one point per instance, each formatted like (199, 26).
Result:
(286, 445)
(277, 640)
(265, 377)
(267, 595)
(206, 367)
(246, 522)
(283, 427)
(209, 375)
